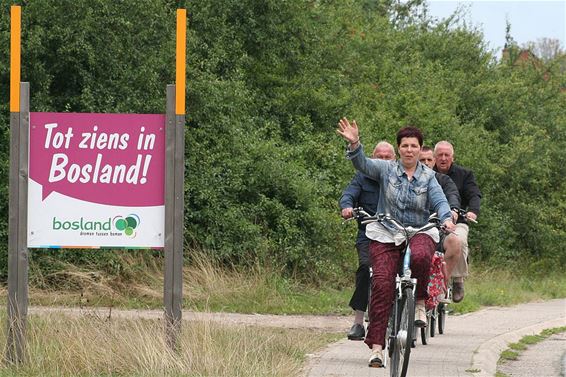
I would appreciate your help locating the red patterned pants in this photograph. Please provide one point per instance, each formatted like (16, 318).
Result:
(385, 261)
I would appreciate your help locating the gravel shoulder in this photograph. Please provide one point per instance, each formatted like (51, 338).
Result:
(327, 323)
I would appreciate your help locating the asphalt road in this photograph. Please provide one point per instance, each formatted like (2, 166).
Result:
(470, 346)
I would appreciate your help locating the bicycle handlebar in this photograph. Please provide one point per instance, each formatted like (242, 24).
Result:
(463, 213)
(433, 220)
(359, 212)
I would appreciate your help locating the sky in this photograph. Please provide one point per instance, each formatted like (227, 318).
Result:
(529, 19)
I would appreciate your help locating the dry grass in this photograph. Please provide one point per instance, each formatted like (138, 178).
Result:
(94, 346)
(204, 280)
(207, 286)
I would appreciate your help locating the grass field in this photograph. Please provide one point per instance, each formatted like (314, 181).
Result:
(209, 287)
(94, 346)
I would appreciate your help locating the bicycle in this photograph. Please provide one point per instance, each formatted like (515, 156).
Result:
(401, 334)
(436, 287)
(442, 309)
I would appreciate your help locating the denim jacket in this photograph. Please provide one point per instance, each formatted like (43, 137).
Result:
(407, 201)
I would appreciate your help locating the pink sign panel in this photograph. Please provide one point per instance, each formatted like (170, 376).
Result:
(112, 159)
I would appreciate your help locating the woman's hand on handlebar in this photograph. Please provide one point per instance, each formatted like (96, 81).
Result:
(449, 225)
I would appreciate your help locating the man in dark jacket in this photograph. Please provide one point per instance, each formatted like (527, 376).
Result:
(363, 192)
(470, 197)
(451, 243)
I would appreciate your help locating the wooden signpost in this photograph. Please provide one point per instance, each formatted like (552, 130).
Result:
(21, 188)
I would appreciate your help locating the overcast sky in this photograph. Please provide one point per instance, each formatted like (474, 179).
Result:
(530, 20)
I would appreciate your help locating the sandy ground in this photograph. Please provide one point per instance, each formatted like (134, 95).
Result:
(327, 323)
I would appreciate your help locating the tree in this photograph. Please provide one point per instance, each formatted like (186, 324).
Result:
(546, 49)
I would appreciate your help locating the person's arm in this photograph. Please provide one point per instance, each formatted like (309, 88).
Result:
(450, 190)
(439, 203)
(350, 196)
(473, 194)
(373, 168)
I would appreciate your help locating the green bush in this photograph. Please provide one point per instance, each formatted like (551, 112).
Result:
(267, 82)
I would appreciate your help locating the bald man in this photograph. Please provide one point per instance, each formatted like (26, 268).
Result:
(363, 192)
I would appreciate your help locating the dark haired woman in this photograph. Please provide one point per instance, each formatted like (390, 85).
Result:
(408, 191)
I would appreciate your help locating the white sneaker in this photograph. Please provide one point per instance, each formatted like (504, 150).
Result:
(376, 359)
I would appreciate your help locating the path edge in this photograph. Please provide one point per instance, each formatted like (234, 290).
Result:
(486, 356)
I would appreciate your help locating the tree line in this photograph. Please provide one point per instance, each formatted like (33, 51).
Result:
(267, 81)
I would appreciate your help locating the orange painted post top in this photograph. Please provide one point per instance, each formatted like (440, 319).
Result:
(15, 52)
(181, 61)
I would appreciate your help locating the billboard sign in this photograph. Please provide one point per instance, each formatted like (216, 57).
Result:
(96, 180)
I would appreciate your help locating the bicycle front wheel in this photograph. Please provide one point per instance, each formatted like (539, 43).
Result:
(405, 312)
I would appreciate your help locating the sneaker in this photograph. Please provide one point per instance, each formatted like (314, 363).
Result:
(458, 291)
(357, 332)
(420, 315)
(376, 359)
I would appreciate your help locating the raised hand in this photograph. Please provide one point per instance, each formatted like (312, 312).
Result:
(349, 131)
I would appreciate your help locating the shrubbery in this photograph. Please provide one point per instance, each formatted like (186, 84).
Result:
(268, 81)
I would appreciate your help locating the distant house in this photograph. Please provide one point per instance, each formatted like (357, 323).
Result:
(520, 57)
(524, 58)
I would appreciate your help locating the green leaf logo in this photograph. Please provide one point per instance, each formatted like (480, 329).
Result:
(127, 224)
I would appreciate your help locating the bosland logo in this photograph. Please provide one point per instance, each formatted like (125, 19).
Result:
(127, 224)
(80, 224)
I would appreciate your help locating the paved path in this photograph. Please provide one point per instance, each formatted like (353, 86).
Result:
(470, 346)
(547, 358)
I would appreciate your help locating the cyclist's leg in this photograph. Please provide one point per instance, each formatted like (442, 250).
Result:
(422, 249)
(460, 271)
(384, 258)
(461, 268)
(452, 253)
(359, 300)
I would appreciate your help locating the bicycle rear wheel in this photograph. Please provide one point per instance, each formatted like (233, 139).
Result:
(441, 317)
(433, 317)
(425, 330)
(405, 326)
